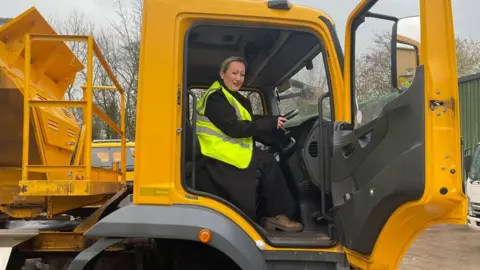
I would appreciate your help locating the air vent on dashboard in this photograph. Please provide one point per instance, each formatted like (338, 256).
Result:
(313, 149)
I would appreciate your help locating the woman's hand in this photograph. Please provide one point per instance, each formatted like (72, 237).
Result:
(281, 122)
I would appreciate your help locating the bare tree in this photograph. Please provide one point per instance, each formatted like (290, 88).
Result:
(76, 23)
(127, 32)
(307, 102)
(373, 68)
(120, 45)
(468, 56)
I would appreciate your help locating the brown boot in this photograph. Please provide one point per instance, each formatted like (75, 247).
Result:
(283, 223)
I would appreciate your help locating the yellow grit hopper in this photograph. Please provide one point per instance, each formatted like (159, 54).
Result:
(53, 130)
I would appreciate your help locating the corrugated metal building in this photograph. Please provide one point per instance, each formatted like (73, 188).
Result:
(469, 92)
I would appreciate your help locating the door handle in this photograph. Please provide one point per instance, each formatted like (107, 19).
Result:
(365, 139)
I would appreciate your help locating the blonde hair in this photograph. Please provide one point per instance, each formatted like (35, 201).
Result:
(226, 63)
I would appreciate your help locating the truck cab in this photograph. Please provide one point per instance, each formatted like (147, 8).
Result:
(106, 152)
(371, 162)
(361, 182)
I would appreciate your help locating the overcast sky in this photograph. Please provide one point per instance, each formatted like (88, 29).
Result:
(101, 11)
(464, 15)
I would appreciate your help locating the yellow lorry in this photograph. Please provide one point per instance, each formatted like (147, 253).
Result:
(107, 152)
(364, 192)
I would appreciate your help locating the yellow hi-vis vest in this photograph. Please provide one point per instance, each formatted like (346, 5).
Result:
(216, 144)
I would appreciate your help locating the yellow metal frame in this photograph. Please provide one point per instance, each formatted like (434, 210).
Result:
(89, 185)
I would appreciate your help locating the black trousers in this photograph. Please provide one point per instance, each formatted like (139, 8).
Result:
(240, 186)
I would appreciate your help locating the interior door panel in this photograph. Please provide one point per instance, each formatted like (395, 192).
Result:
(378, 167)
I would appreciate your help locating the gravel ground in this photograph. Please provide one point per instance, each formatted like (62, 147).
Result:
(453, 247)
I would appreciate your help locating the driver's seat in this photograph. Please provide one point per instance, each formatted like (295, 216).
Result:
(200, 162)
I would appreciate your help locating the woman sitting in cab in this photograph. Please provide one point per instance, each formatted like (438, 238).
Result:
(225, 129)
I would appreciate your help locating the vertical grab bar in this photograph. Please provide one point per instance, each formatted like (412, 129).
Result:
(323, 166)
(194, 131)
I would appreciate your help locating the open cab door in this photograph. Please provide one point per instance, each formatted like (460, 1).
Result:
(398, 168)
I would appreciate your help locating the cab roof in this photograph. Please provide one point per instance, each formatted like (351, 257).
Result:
(273, 54)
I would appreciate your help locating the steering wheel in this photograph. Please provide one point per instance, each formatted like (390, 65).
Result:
(291, 114)
(287, 145)
(288, 142)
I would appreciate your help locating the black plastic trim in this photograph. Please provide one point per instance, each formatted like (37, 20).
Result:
(381, 16)
(194, 132)
(388, 170)
(324, 158)
(182, 222)
(393, 60)
(279, 4)
(306, 260)
(84, 257)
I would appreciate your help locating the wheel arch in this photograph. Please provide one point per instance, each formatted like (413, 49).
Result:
(182, 222)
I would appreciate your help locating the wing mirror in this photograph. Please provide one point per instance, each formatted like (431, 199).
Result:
(284, 86)
(467, 162)
(306, 91)
(405, 46)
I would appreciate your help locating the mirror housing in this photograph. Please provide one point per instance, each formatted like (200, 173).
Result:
(284, 86)
(467, 162)
(405, 51)
(306, 91)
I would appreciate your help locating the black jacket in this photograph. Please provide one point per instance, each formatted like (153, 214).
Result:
(240, 186)
(222, 114)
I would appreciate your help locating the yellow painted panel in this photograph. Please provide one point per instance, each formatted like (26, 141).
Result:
(68, 187)
(9, 187)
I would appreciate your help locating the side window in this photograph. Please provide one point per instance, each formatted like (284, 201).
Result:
(254, 97)
(256, 101)
(191, 105)
(373, 87)
(305, 88)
